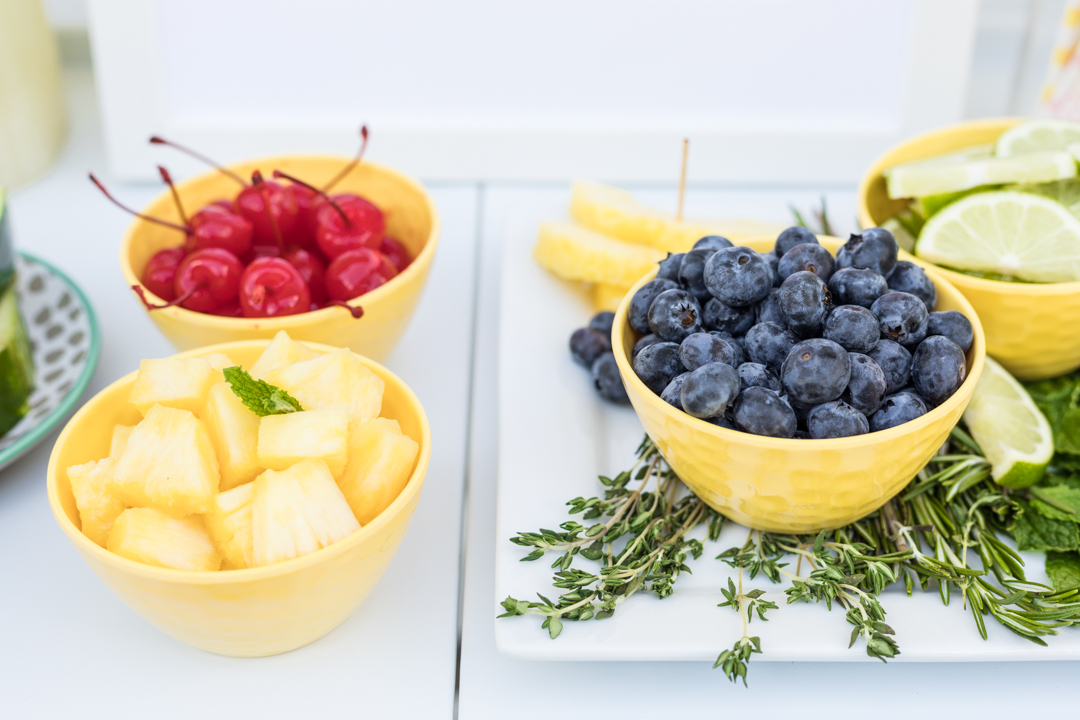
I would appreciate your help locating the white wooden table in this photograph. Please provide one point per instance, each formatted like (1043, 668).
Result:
(422, 645)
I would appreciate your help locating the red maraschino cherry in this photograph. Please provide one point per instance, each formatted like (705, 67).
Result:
(159, 275)
(271, 211)
(360, 224)
(396, 252)
(209, 278)
(271, 287)
(214, 226)
(312, 270)
(356, 272)
(307, 203)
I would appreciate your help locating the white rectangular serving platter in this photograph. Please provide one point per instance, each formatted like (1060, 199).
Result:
(556, 436)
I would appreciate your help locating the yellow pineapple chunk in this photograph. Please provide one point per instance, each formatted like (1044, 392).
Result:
(614, 212)
(218, 361)
(576, 253)
(180, 383)
(168, 463)
(285, 440)
(281, 351)
(150, 536)
(229, 525)
(608, 297)
(296, 512)
(334, 380)
(120, 435)
(380, 462)
(98, 508)
(234, 430)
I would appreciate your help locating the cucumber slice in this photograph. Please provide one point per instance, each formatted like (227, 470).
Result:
(16, 363)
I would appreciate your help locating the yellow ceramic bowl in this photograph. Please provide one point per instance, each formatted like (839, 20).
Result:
(410, 218)
(1029, 327)
(788, 485)
(253, 612)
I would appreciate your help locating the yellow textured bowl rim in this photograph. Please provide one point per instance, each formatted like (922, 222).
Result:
(196, 577)
(978, 350)
(885, 161)
(286, 322)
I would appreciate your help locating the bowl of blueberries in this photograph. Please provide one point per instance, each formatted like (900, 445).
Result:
(796, 383)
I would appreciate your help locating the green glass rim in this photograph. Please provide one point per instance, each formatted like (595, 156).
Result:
(67, 405)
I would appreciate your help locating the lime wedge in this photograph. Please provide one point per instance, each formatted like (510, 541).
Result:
(1013, 434)
(1010, 233)
(1037, 136)
(938, 176)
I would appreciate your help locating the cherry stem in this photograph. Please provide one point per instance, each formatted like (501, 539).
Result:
(150, 306)
(258, 295)
(157, 140)
(356, 310)
(175, 195)
(352, 164)
(259, 184)
(298, 181)
(182, 228)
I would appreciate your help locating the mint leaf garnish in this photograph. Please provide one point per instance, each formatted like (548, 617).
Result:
(259, 396)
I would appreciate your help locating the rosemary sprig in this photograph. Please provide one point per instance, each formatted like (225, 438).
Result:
(943, 532)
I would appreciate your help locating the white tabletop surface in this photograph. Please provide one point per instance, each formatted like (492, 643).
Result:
(67, 643)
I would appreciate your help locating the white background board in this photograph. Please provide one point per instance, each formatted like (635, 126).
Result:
(775, 90)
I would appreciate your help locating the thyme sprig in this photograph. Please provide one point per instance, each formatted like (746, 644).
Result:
(944, 532)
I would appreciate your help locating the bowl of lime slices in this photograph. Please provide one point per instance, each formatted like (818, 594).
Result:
(995, 205)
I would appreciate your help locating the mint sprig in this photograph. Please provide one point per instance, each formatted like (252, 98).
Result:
(259, 396)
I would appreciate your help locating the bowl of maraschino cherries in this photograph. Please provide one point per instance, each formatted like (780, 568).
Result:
(332, 250)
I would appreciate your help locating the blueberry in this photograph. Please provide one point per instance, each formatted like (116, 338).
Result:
(894, 361)
(816, 371)
(769, 343)
(810, 257)
(638, 312)
(690, 273)
(738, 276)
(768, 310)
(672, 394)
(603, 321)
(854, 327)
(674, 314)
(902, 317)
(669, 267)
(796, 235)
(910, 278)
(774, 265)
(938, 368)
(643, 343)
(897, 410)
(717, 315)
(874, 249)
(867, 387)
(953, 325)
(805, 302)
(606, 377)
(752, 374)
(709, 390)
(836, 419)
(761, 411)
(704, 348)
(657, 365)
(857, 286)
(713, 241)
(587, 344)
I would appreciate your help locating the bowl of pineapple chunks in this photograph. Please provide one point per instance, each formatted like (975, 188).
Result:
(245, 497)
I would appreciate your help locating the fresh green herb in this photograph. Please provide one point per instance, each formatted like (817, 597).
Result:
(944, 532)
(1059, 401)
(259, 396)
(821, 219)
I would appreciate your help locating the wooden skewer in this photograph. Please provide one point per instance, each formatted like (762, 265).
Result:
(682, 177)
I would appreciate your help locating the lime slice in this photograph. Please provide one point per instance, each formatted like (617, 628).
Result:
(1037, 136)
(1010, 233)
(1013, 434)
(938, 176)
(1063, 192)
